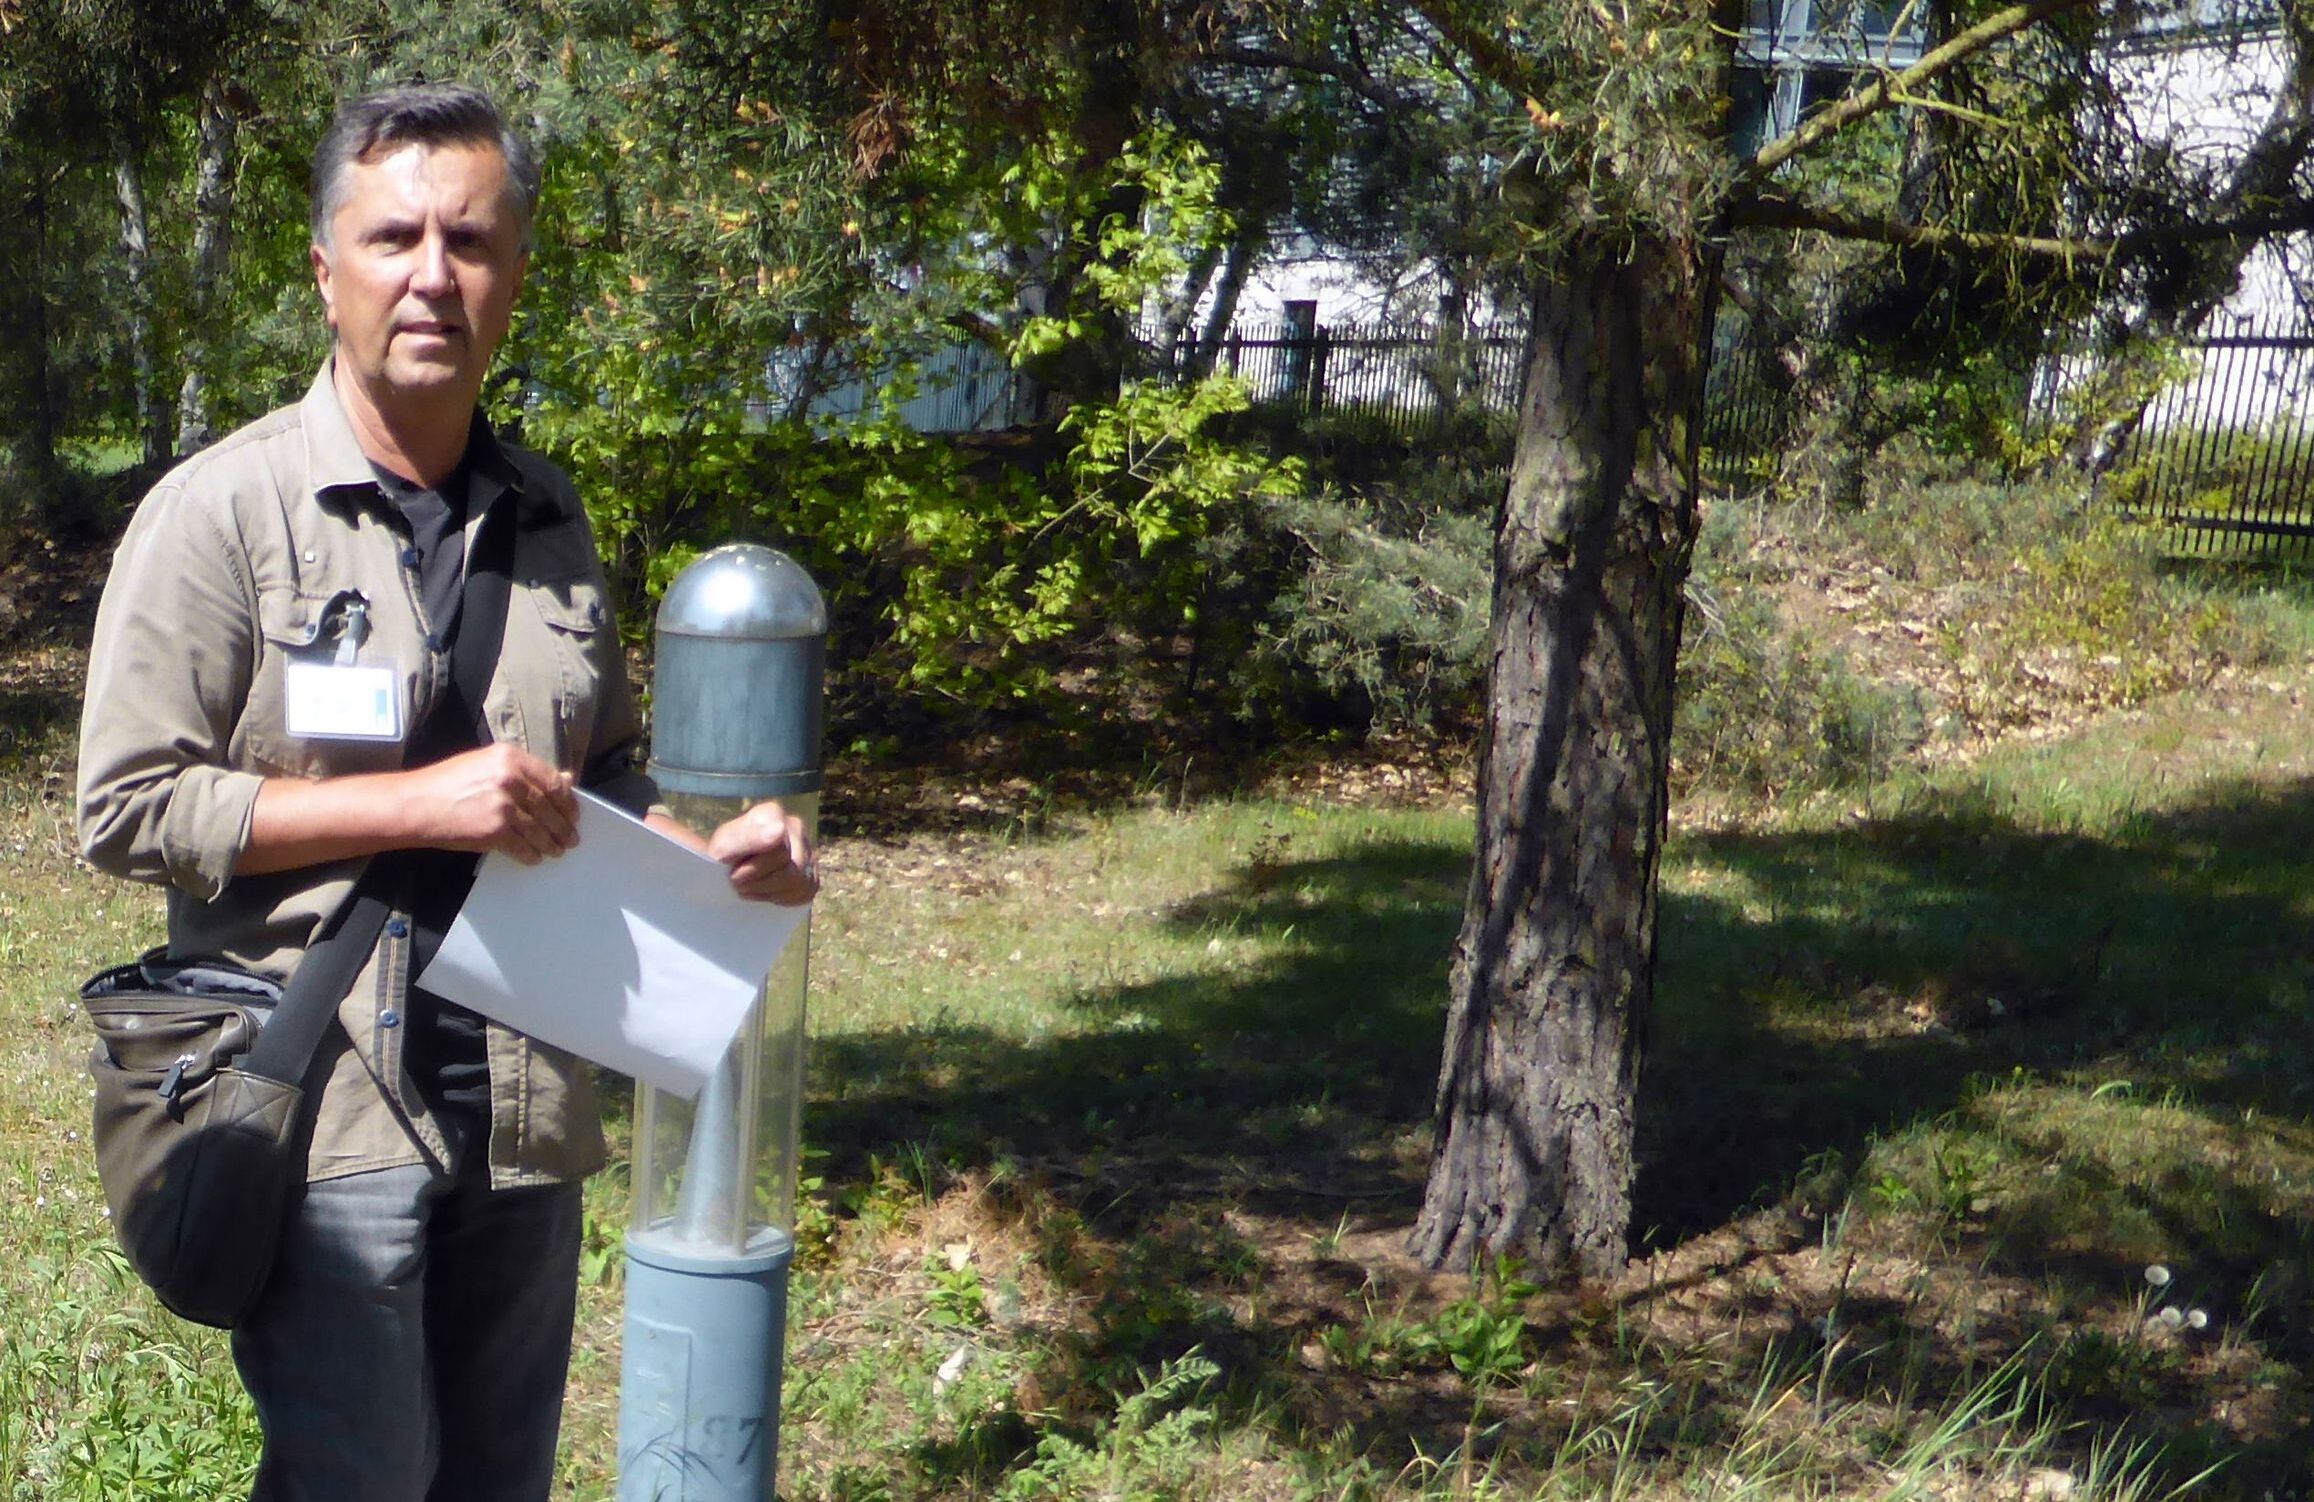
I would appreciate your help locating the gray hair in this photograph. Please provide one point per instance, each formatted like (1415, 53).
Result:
(422, 114)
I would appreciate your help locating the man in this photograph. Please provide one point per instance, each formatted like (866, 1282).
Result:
(413, 1340)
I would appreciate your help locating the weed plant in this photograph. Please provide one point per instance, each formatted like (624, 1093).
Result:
(1763, 710)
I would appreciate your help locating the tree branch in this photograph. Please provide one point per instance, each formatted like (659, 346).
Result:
(1498, 63)
(1356, 80)
(1890, 88)
(1778, 211)
(1786, 213)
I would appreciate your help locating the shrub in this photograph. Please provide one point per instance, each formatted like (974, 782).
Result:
(1390, 611)
(1760, 708)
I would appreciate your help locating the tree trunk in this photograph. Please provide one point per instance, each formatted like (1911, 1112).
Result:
(809, 380)
(1553, 974)
(1174, 317)
(1453, 374)
(136, 252)
(212, 248)
(38, 458)
(1236, 266)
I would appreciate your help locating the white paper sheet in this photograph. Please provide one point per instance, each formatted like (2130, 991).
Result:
(629, 950)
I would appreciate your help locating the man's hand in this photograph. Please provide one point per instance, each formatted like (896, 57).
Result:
(770, 855)
(494, 798)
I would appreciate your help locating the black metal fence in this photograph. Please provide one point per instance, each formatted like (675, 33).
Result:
(2224, 458)
(1402, 379)
(1744, 408)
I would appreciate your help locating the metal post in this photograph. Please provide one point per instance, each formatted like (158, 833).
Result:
(737, 698)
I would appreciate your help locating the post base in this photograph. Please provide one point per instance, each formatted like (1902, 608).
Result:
(700, 1372)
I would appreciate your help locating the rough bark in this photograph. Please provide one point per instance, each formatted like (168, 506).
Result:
(220, 128)
(1553, 973)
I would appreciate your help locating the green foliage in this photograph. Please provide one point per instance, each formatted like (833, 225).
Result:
(693, 265)
(1150, 1453)
(958, 1300)
(1394, 611)
(1762, 707)
(1173, 187)
(105, 1396)
(948, 569)
(1483, 1337)
(1825, 410)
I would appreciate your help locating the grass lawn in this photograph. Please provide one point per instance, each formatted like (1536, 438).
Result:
(1976, 1143)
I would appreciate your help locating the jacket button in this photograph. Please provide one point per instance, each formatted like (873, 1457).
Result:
(397, 928)
(389, 1018)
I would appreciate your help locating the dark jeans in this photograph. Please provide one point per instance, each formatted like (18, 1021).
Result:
(413, 1342)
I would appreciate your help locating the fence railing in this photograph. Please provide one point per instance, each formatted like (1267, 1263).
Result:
(1402, 378)
(1399, 379)
(2224, 459)
(1744, 407)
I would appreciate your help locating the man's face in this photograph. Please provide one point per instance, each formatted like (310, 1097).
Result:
(419, 278)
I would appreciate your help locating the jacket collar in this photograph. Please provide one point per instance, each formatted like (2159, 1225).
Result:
(337, 467)
(334, 461)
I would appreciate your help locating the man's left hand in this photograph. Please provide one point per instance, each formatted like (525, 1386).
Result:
(769, 854)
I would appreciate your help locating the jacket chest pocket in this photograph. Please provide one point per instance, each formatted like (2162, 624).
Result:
(559, 669)
(301, 626)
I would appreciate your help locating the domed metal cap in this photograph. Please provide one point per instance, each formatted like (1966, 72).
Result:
(739, 677)
(743, 591)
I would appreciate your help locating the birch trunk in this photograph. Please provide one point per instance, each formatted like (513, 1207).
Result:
(212, 249)
(136, 253)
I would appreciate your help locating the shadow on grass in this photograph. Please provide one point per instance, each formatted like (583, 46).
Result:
(1818, 990)
(30, 722)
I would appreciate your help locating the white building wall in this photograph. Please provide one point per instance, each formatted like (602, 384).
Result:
(2206, 102)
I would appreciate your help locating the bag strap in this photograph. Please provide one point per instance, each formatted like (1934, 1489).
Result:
(286, 1045)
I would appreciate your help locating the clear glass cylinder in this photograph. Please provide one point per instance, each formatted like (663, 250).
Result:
(710, 1173)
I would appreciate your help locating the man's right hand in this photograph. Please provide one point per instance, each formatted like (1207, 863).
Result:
(494, 798)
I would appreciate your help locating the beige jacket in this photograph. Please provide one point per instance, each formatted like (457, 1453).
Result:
(230, 565)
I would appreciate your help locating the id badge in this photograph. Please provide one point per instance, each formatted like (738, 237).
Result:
(328, 693)
(324, 701)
